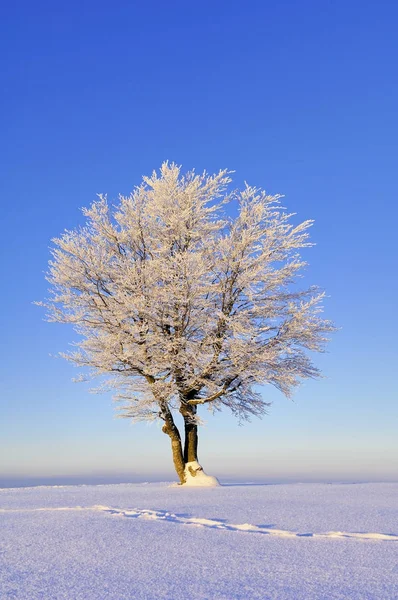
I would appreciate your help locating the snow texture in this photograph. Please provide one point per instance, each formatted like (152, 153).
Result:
(150, 541)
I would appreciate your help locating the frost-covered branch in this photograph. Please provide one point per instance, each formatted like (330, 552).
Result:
(181, 305)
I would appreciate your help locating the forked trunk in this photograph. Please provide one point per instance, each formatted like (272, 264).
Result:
(186, 464)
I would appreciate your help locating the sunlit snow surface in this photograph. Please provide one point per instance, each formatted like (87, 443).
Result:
(150, 541)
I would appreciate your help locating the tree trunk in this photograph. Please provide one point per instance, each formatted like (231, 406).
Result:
(171, 430)
(191, 433)
(186, 463)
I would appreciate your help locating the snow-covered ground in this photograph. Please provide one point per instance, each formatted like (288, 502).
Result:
(150, 541)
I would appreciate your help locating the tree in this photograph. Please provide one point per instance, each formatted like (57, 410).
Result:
(180, 305)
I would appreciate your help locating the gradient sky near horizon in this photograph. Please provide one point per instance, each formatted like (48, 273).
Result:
(297, 97)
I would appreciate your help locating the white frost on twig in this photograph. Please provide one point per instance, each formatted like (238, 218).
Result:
(180, 304)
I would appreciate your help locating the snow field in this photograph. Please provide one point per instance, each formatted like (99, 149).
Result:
(119, 542)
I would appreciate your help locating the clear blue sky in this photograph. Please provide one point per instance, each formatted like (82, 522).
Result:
(297, 97)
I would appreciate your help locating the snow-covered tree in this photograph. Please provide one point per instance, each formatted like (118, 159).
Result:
(183, 306)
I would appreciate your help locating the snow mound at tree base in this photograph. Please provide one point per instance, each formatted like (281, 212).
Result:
(196, 477)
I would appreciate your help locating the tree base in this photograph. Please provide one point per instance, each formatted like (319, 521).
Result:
(196, 477)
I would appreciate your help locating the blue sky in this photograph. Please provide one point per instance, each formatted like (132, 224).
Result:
(297, 97)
